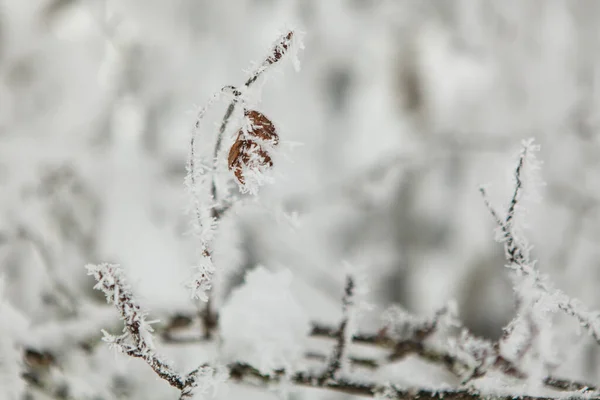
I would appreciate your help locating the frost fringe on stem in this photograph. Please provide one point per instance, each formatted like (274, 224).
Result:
(517, 254)
(245, 373)
(414, 341)
(208, 213)
(342, 337)
(466, 356)
(136, 340)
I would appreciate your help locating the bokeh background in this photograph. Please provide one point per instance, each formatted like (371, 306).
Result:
(400, 110)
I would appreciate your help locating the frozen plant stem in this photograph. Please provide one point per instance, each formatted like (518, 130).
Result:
(342, 338)
(518, 259)
(208, 315)
(277, 52)
(136, 340)
(416, 345)
(514, 253)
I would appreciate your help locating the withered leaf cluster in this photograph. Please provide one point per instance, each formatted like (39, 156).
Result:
(251, 148)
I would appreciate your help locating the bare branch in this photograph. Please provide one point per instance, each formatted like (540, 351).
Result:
(335, 362)
(245, 373)
(402, 348)
(514, 254)
(518, 188)
(517, 257)
(137, 330)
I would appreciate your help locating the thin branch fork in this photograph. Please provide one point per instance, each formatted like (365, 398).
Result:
(341, 336)
(277, 52)
(517, 257)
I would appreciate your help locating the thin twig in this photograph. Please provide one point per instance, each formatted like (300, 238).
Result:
(245, 373)
(402, 348)
(514, 254)
(118, 292)
(518, 188)
(277, 52)
(335, 362)
(518, 260)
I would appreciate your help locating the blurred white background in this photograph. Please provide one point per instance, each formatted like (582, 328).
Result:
(400, 110)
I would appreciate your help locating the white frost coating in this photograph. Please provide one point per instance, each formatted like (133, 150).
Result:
(358, 302)
(528, 340)
(531, 332)
(255, 176)
(202, 279)
(204, 226)
(296, 46)
(386, 393)
(112, 282)
(474, 352)
(255, 170)
(263, 324)
(12, 327)
(531, 177)
(209, 381)
(399, 323)
(529, 195)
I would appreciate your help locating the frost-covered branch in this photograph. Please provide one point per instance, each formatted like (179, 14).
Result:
(466, 356)
(342, 336)
(279, 49)
(136, 340)
(517, 255)
(208, 209)
(455, 362)
(245, 373)
(515, 251)
(208, 213)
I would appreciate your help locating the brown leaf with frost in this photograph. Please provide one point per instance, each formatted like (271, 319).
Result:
(250, 149)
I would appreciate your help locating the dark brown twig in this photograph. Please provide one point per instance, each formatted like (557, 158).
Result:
(245, 373)
(342, 339)
(404, 347)
(118, 292)
(400, 348)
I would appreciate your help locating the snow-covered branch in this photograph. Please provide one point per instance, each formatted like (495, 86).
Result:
(209, 207)
(538, 287)
(461, 355)
(247, 374)
(343, 338)
(136, 340)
